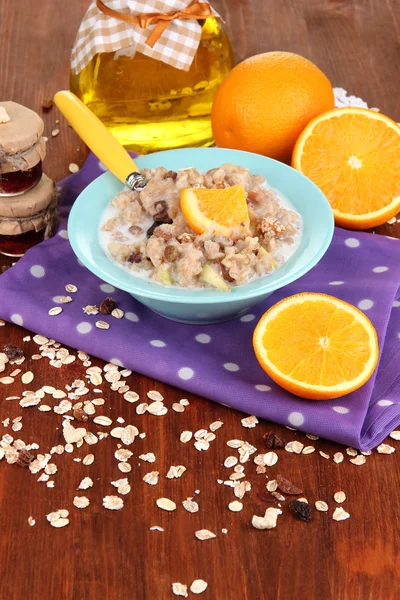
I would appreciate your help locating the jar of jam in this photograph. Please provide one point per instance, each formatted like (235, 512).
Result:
(28, 218)
(22, 149)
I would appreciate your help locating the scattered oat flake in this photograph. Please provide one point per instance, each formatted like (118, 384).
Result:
(85, 484)
(340, 514)
(73, 168)
(215, 425)
(235, 506)
(156, 528)
(88, 459)
(184, 402)
(157, 408)
(351, 451)
(113, 502)
(295, 447)
(338, 458)
(179, 589)
(166, 504)
(178, 407)
(190, 505)
(395, 435)
(250, 422)
(71, 289)
(149, 457)
(358, 460)
(124, 467)
(102, 325)
(175, 472)
(339, 497)
(155, 396)
(204, 534)
(321, 506)
(186, 436)
(230, 461)
(6, 380)
(270, 459)
(151, 478)
(59, 523)
(324, 455)
(201, 445)
(198, 586)
(90, 309)
(385, 449)
(102, 420)
(131, 397)
(308, 450)
(123, 454)
(56, 310)
(81, 501)
(235, 443)
(31, 521)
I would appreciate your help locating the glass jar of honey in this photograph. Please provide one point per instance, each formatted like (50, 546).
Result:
(149, 105)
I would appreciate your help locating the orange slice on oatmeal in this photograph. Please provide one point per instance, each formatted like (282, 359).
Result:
(353, 155)
(316, 346)
(221, 209)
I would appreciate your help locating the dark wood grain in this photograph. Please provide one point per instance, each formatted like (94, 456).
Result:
(114, 555)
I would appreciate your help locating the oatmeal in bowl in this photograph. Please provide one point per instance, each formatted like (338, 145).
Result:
(165, 234)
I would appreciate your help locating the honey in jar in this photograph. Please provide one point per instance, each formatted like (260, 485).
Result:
(149, 105)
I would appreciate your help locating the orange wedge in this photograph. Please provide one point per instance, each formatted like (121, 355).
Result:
(316, 346)
(221, 209)
(353, 155)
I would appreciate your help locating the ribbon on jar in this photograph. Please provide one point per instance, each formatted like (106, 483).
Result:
(195, 10)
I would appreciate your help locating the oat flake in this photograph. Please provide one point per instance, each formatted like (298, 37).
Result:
(324, 455)
(338, 458)
(198, 586)
(340, 514)
(166, 504)
(215, 425)
(358, 460)
(351, 451)
(124, 467)
(230, 461)
(295, 447)
(395, 435)
(235, 506)
(385, 449)
(155, 396)
(85, 484)
(81, 502)
(178, 407)
(321, 506)
(31, 521)
(88, 459)
(179, 589)
(102, 325)
(250, 422)
(131, 397)
(59, 523)
(339, 497)
(71, 289)
(56, 310)
(113, 502)
(186, 436)
(190, 505)
(270, 459)
(204, 534)
(151, 478)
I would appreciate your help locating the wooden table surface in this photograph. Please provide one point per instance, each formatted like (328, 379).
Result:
(114, 555)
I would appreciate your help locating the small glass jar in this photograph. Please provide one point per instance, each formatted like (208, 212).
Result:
(149, 105)
(15, 183)
(29, 218)
(22, 149)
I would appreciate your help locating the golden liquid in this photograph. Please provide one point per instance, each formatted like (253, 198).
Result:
(149, 105)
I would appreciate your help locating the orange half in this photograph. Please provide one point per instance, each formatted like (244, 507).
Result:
(316, 346)
(221, 209)
(353, 155)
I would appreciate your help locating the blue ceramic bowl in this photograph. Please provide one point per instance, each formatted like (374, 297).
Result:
(204, 306)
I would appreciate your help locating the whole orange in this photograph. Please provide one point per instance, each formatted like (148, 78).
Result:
(266, 101)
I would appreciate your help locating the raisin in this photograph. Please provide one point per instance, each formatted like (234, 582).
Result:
(301, 510)
(135, 257)
(271, 440)
(80, 415)
(47, 104)
(156, 224)
(13, 352)
(172, 253)
(135, 229)
(171, 175)
(107, 306)
(287, 487)
(161, 211)
(24, 458)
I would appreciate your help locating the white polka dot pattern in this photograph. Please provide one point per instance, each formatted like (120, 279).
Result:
(84, 327)
(131, 317)
(158, 343)
(185, 373)
(17, 319)
(296, 419)
(380, 269)
(203, 338)
(37, 271)
(365, 304)
(262, 388)
(107, 288)
(342, 410)
(336, 282)
(116, 361)
(63, 233)
(231, 367)
(352, 243)
(247, 318)
(384, 402)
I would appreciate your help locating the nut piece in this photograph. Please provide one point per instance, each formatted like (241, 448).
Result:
(204, 534)
(166, 504)
(24, 458)
(268, 521)
(198, 586)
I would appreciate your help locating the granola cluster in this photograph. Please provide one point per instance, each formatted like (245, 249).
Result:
(147, 232)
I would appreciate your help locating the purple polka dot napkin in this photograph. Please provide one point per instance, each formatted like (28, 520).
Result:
(217, 361)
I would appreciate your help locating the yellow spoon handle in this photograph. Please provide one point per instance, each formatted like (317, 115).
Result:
(95, 135)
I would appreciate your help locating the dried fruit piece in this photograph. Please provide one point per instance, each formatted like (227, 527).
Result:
(271, 440)
(25, 458)
(107, 306)
(287, 487)
(301, 510)
(13, 352)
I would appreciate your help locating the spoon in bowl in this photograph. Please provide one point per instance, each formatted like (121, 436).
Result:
(100, 141)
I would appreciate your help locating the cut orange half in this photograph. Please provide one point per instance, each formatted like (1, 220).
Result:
(316, 346)
(221, 209)
(353, 155)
